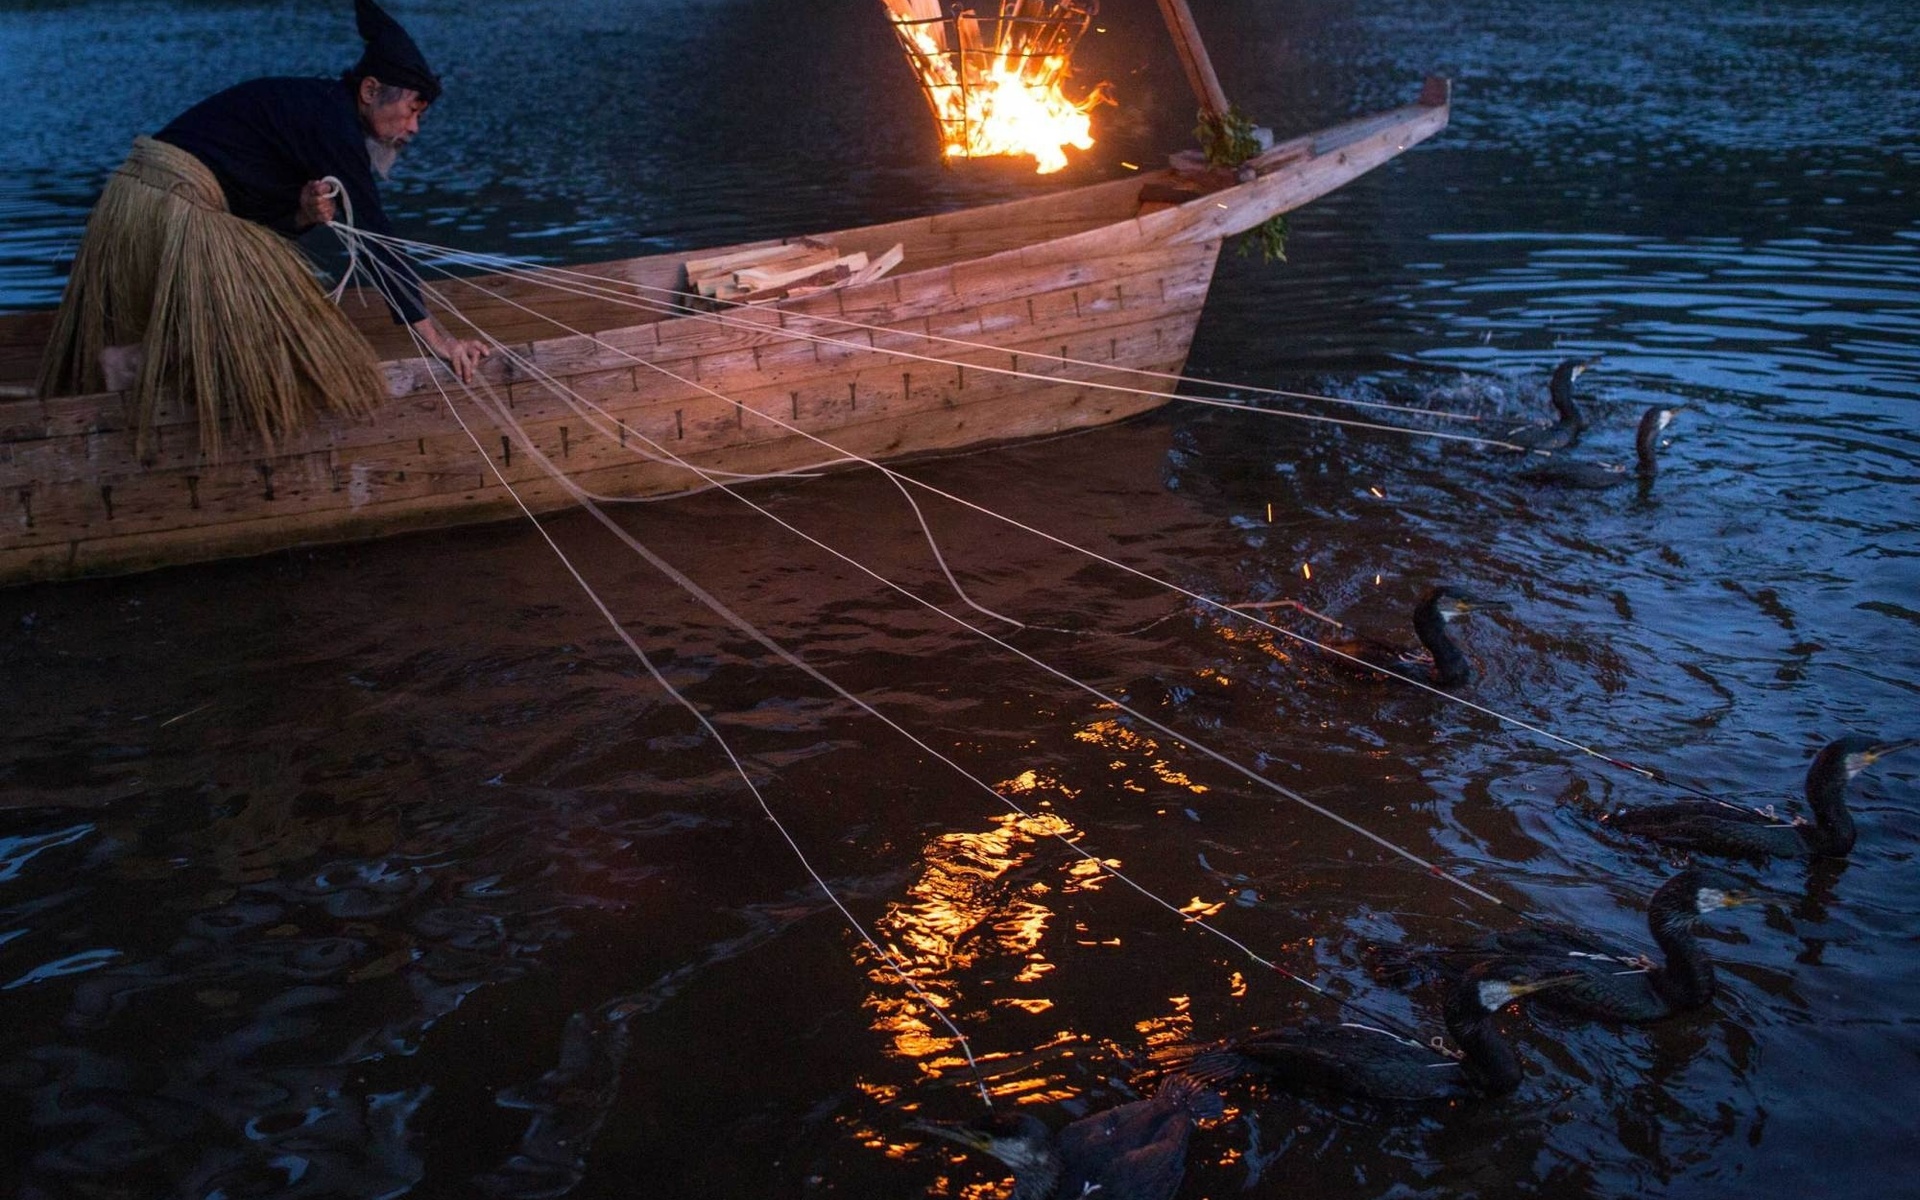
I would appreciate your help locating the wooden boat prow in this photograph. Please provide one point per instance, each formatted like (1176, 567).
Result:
(1031, 290)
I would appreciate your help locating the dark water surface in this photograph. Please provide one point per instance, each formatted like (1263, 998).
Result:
(386, 870)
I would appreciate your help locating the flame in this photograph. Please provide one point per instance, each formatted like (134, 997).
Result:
(996, 84)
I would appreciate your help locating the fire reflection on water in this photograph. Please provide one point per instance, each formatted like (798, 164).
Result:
(973, 930)
(967, 916)
(1131, 746)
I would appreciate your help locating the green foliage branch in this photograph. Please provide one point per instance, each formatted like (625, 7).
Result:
(1227, 140)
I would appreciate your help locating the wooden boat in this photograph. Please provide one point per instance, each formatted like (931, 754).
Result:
(1113, 273)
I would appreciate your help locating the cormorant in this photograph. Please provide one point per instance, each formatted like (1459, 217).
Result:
(1573, 473)
(1607, 985)
(1712, 827)
(1567, 428)
(1449, 666)
(1136, 1151)
(1348, 1060)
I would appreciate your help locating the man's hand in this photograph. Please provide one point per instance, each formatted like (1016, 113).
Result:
(316, 204)
(461, 355)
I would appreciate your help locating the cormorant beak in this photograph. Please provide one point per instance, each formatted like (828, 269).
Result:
(1496, 994)
(1528, 987)
(1860, 760)
(1662, 420)
(1874, 754)
(1585, 365)
(1711, 898)
(972, 1139)
(1467, 604)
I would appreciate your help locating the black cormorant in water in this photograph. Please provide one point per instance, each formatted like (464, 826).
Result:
(1136, 1151)
(1449, 666)
(1589, 476)
(1607, 985)
(1348, 1060)
(1567, 427)
(1711, 827)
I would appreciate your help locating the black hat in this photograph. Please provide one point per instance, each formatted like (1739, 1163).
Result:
(391, 57)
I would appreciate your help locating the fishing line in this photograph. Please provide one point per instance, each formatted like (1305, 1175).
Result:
(1208, 751)
(546, 463)
(1613, 760)
(504, 419)
(621, 632)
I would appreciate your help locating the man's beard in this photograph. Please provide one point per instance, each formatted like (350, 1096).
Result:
(383, 155)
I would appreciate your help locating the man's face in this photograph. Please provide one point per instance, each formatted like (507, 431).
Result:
(395, 123)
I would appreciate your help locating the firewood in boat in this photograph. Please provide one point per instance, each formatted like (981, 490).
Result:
(825, 273)
(709, 270)
(1163, 195)
(784, 275)
(758, 276)
(822, 280)
(748, 256)
(702, 270)
(972, 49)
(879, 266)
(789, 257)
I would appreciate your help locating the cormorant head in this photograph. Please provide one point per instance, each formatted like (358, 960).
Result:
(1560, 389)
(1452, 603)
(1701, 890)
(1488, 988)
(1647, 442)
(1571, 369)
(1857, 753)
(1020, 1140)
(1655, 421)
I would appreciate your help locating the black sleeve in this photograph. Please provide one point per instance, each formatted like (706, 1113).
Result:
(286, 226)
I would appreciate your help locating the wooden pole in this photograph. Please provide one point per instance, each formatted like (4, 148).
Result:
(1193, 56)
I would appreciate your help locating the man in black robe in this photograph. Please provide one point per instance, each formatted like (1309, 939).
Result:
(259, 152)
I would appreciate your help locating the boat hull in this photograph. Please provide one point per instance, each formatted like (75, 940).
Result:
(1005, 318)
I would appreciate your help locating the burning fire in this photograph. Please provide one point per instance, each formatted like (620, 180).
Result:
(995, 83)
